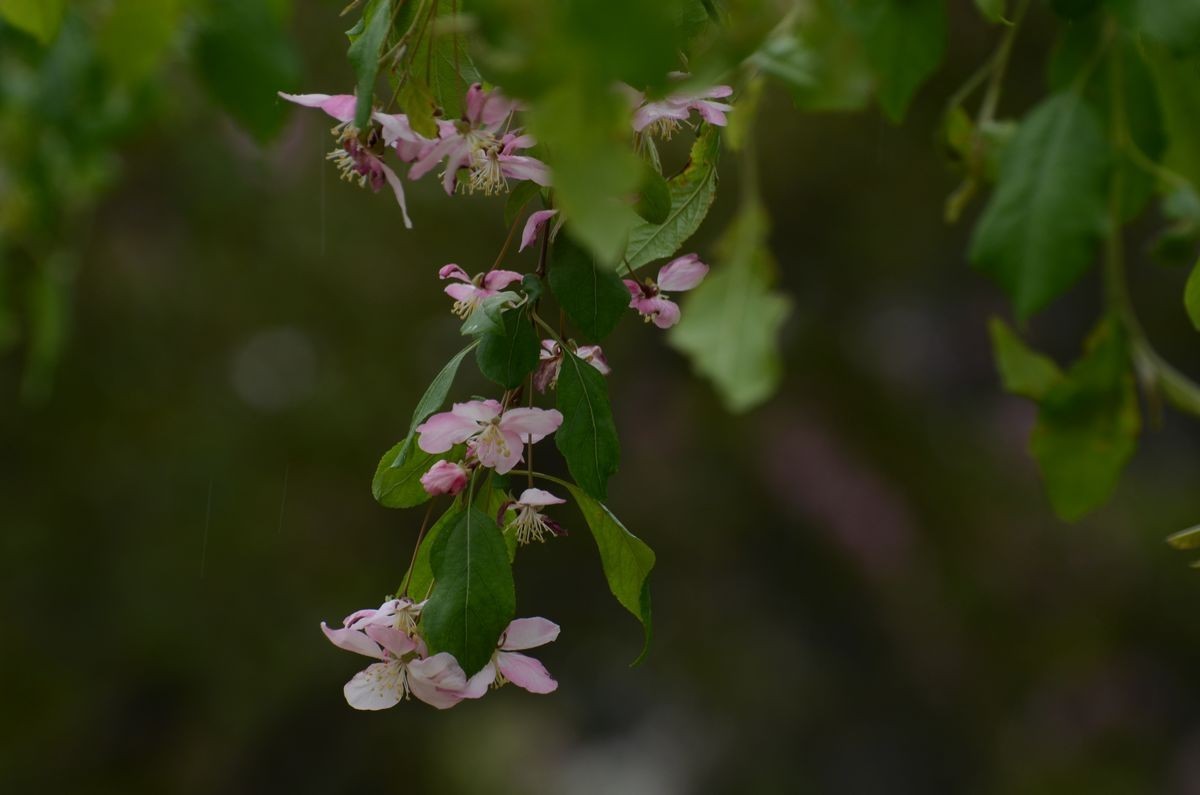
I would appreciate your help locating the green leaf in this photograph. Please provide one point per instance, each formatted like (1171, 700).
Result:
(784, 56)
(244, 56)
(692, 193)
(473, 598)
(136, 34)
(730, 324)
(508, 355)
(905, 41)
(654, 197)
(39, 18)
(1087, 425)
(992, 10)
(588, 436)
(420, 576)
(451, 69)
(486, 317)
(366, 45)
(1023, 371)
(1178, 82)
(438, 389)
(1191, 297)
(841, 75)
(593, 297)
(521, 194)
(626, 560)
(418, 104)
(1175, 23)
(1039, 231)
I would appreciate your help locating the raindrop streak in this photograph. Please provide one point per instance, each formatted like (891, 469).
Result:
(207, 521)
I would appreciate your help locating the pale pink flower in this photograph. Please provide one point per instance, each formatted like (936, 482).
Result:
(507, 665)
(550, 363)
(680, 274)
(361, 160)
(533, 226)
(664, 116)
(530, 524)
(403, 666)
(476, 142)
(470, 293)
(497, 436)
(445, 477)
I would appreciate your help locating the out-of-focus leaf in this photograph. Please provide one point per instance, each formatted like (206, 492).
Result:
(1087, 425)
(1023, 371)
(730, 323)
(521, 194)
(1178, 82)
(473, 597)
(626, 560)
(419, 106)
(654, 197)
(366, 45)
(594, 298)
(1191, 297)
(904, 40)
(1039, 231)
(244, 56)
(785, 57)
(992, 10)
(1175, 23)
(136, 34)
(509, 354)
(841, 78)
(48, 307)
(587, 438)
(451, 69)
(1074, 9)
(39, 18)
(692, 193)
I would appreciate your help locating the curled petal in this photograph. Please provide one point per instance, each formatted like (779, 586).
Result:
(713, 112)
(339, 106)
(478, 684)
(519, 167)
(635, 289)
(525, 672)
(452, 271)
(593, 355)
(380, 686)
(682, 273)
(437, 680)
(444, 430)
(665, 313)
(353, 640)
(532, 227)
(392, 639)
(537, 497)
(499, 279)
(398, 189)
(532, 424)
(528, 633)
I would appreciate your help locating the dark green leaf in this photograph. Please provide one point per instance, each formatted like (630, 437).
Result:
(420, 577)
(626, 559)
(1039, 231)
(486, 317)
(521, 194)
(136, 34)
(508, 355)
(905, 40)
(1191, 297)
(1023, 371)
(785, 57)
(1178, 81)
(366, 45)
(419, 106)
(1087, 425)
(593, 297)
(692, 193)
(730, 324)
(473, 597)
(654, 198)
(451, 69)
(245, 56)
(1175, 23)
(588, 436)
(992, 10)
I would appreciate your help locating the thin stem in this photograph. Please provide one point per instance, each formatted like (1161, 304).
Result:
(999, 66)
(403, 589)
(529, 444)
(512, 230)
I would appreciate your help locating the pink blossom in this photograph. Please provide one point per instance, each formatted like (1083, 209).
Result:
(497, 436)
(663, 116)
(530, 524)
(472, 292)
(403, 668)
(680, 274)
(360, 160)
(475, 142)
(550, 363)
(533, 226)
(445, 477)
(507, 665)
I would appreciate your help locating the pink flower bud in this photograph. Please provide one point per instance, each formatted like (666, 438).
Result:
(445, 477)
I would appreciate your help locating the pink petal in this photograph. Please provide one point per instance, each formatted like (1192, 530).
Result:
(593, 355)
(452, 271)
(467, 293)
(519, 167)
(499, 279)
(478, 684)
(682, 273)
(525, 672)
(528, 633)
(653, 111)
(444, 430)
(398, 190)
(379, 686)
(499, 451)
(547, 372)
(635, 289)
(666, 312)
(532, 424)
(549, 350)
(533, 226)
(537, 498)
(512, 143)
(397, 129)
(353, 640)
(712, 112)
(719, 92)
(444, 477)
(339, 106)
(426, 162)
(478, 410)
(644, 305)
(437, 680)
(392, 639)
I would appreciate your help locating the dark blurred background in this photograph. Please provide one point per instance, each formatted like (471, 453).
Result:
(860, 586)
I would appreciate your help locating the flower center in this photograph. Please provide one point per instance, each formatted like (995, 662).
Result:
(487, 176)
(355, 162)
(530, 525)
(492, 438)
(663, 128)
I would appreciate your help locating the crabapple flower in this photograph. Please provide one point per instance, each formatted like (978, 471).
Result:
(403, 666)
(533, 226)
(360, 160)
(507, 665)
(680, 274)
(530, 524)
(472, 292)
(476, 143)
(445, 477)
(496, 436)
(550, 363)
(662, 117)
